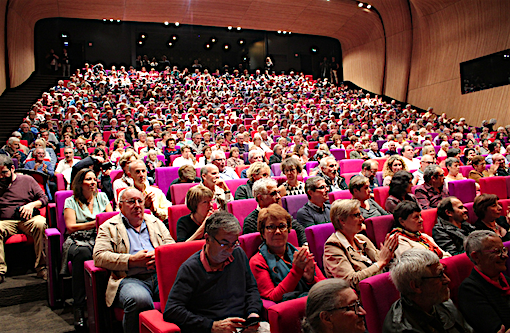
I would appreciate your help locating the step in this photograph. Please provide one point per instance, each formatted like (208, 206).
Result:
(22, 289)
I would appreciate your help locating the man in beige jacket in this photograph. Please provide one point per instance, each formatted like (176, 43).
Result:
(125, 245)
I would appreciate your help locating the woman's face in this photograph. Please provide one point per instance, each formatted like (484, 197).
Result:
(301, 151)
(396, 166)
(291, 173)
(204, 206)
(493, 212)
(143, 137)
(470, 144)
(263, 173)
(413, 223)
(454, 169)
(208, 153)
(354, 223)
(471, 154)
(277, 235)
(120, 145)
(235, 153)
(257, 142)
(89, 182)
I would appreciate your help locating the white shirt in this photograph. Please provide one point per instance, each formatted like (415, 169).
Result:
(180, 161)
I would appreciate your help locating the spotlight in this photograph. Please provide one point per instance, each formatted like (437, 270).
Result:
(111, 20)
(165, 23)
(177, 24)
(360, 4)
(64, 35)
(240, 41)
(207, 46)
(104, 20)
(140, 42)
(290, 32)
(143, 36)
(284, 32)
(175, 37)
(314, 49)
(226, 47)
(170, 44)
(66, 43)
(238, 28)
(279, 31)
(369, 6)
(213, 40)
(229, 27)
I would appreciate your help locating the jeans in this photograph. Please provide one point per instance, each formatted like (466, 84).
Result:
(135, 296)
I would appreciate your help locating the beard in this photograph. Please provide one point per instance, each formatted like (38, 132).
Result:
(5, 182)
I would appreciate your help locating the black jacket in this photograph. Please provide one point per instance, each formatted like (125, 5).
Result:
(275, 159)
(244, 191)
(479, 225)
(449, 237)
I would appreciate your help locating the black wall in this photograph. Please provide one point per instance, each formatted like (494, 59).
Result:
(116, 44)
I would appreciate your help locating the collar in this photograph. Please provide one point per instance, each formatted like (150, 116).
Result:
(205, 262)
(127, 224)
(502, 285)
(345, 243)
(317, 208)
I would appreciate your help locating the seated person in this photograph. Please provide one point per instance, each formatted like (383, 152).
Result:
(452, 226)
(408, 227)
(478, 163)
(196, 307)
(453, 165)
(331, 175)
(133, 283)
(424, 304)
(433, 190)
(39, 163)
(211, 179)
(185, 158)
(359, 186)
(291, 168)
(226, 172)
(425, 161)
(152, 162)
(282, 272)
(400, 189)
(187, 174)
(350, 255)
(125, 180)
(324, 300)
(317, 209)
(483, 299)
(500, 161)
(255, 172)
(369, 169)
(374, 152)
(80, 212)
(199, 201)
(489, 210)
(410, 161)
(358, 152)
(65, 165)
(234, 159)
(253, 157)
(392, 165)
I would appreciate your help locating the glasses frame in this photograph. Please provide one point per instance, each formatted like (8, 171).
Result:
(229, 246)
(356, 306)
(272, 228)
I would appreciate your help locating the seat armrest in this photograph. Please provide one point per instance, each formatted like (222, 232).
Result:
(51, 215)
(152, 322)
(53, 261)
(96, 281)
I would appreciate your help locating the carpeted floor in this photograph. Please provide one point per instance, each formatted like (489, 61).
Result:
(35, 317)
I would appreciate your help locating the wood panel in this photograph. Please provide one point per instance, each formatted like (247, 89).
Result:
(3, 73)
(20, 48)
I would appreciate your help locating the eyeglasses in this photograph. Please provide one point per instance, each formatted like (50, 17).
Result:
(272, 228)
(427, 162)
(356, 306)
(220, 159)
(133, 201)
(273, 194)
(290, 170)
(322, 187)
(228, 246)
(332, 165)
(440, 276)
(498, 252)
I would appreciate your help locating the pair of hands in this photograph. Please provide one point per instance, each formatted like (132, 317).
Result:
(44, 166)
(149, 201)
(387, 250)
(305, 260)
(231, 324)
(143, 258)
(221, 184)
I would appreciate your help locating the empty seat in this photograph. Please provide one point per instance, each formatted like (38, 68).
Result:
(292, 203)
(464, 190)
(317, 235)
(350, 166)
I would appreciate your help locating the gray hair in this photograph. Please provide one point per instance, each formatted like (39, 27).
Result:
(205, 169)
(261, 185)
(215, 154)
(323, 296)
(324, 162)
(123, 192)
(474, 242)
(340, 210)
(449, 161)
(276, 147)
(6, 161)
(252, 153)
(311, 184)
(12, 140)
(430, 171)
(411, 266)
(222, 220)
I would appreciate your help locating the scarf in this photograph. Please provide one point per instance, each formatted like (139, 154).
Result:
(503, 285)
(419, 238)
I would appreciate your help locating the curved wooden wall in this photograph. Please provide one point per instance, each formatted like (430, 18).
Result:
(3, 74)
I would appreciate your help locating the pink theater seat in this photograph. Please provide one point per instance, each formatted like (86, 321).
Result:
(471, 213)
(276, 169)
(378, 227)
(464, 169)
(457, 268)
(317, 235)
(347, 166)
(286, 317)
(174, 213)
(241, 208)
(343, 194)
(233, 184)
(429, 220)
(338, 153)
(464, 190)
(381, 193)
(494, 185)
(292, 203)
(348, 176)
(179, 191)
(165, 176)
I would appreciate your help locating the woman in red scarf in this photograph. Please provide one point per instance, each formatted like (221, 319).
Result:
(408, 227)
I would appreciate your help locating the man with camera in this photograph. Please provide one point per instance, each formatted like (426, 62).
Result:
(20, 200)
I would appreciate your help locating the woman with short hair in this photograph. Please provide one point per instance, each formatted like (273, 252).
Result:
(256, 171)
(488, 210)
(199, 201)
(291, 168)
(359, 186)
(234, 159)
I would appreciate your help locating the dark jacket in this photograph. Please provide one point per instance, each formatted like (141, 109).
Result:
(244, 191)
(479, 225)
(484, 306)
(405, 316)
(275, 159)
(449, 237)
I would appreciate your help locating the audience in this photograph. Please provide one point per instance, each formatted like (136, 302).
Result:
(211, 179)
(400, 189)
(256, 171)
(291, 168)
(199, 201)
(392, 165)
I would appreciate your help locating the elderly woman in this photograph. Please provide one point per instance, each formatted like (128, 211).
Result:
(118, 150)
(234, 159)
(349, 255)
(400, 190)
(282, 272)
(142, 141)
(391, 166)
(453, 166)
(80, 212)
(259, 144)
(445, 145)
(199, 201)
(256, 171)
(408, 227)
(359, 186)
(291, 168)
(478, 163)
(483, 296)
(488, 210)
(325, 299)
(337, 142)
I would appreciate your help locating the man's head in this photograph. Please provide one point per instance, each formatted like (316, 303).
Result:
(6, 171)
(25, 128)
(222, 231)
(39, 154)
(138, 171)
(317, 190)
(329, 166)
(419, 276)
(369, 169)
(69, 154)
(255, 156)
(210, 175)
(219, 159)
(486, 250)
(434, 176)
(265, 192)
(359, 186)
(392, 146)
(498, 160)
(131, 204)
(453, 210)
(408, 152)
(150, 142)
(374, 146)
(13, 143)
(197, 137)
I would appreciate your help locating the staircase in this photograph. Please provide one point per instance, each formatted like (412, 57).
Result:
(16, 102)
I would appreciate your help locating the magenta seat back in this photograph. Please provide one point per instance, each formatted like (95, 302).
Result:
(233, 184)
(292, 203)
(169, 259)
(381, 193)
(103, 217)
(116, 174)
(179, 191)
(379, 177)
(286, 317)
(276, 169)
(343, 194)
(507, 245)
(429, 220)
(338, 153)
(464, 190)
(251, 242)
(471, 213)
(378, 293)
(464, 169)
(494, 185)
(174, 213)
(280, 179)
(457, 268)
(173, 157)
(164, 176)
(347, 166)
(348, 176)
(317, 235)
(241, 208)
(378, 227)
(60, 200)
(310, 166)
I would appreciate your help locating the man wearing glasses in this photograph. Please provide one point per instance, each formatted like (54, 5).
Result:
(483, 296)
(215, 290)
(125, 245)
(219, 159)
(316, 210)
(425, 161)
(433, 190)
(424, 304)
(369, 170)
(329, 172)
